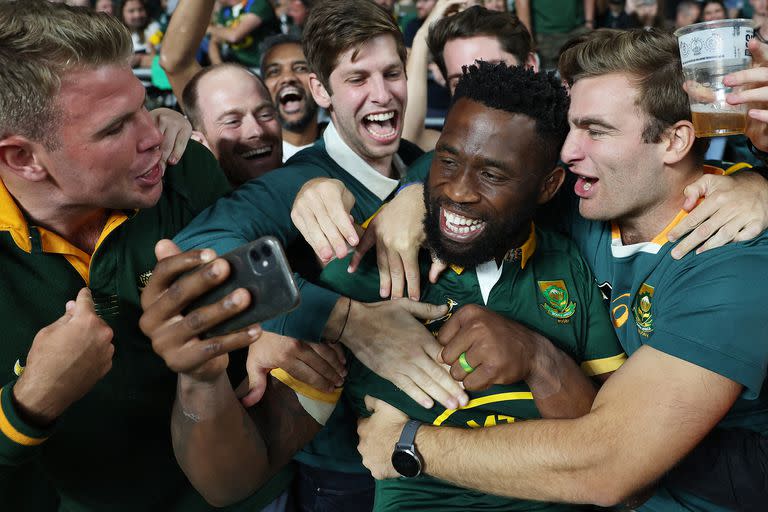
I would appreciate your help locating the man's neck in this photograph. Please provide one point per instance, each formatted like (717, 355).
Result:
(305, 137)
(80, 226)
(645, 225)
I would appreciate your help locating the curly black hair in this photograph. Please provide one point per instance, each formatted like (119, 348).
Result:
(520, 90)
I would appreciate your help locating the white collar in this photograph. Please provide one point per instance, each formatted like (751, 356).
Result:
(488, 275)
(342, 154)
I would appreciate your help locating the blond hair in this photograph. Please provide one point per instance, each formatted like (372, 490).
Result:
(40, 42)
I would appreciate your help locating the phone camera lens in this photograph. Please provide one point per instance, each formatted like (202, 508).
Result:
(266, 251)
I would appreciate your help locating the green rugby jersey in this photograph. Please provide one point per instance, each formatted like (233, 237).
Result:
(111, 450)
(248, 50)
(544, 285)
(705, 309)
(262, 207)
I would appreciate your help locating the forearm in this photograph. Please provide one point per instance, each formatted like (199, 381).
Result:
(185, 31)
(516, 460)
(416, 68)
(589, 11)
(237, 33)
(560, 389)
(313, 320)
(523, 10)
(215, 441)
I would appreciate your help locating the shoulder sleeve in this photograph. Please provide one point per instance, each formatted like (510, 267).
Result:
(197, 177)
(602, 352)
(710, 312)
(19, 441)
(419, 170)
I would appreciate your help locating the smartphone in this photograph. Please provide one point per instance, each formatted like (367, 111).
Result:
(262, 268)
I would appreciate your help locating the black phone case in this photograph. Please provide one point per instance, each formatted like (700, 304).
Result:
(262, 268)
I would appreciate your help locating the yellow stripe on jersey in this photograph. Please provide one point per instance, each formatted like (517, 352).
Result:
(304, 388)
(737, 167)
(604, 365)
(483, 400)
(13, 434)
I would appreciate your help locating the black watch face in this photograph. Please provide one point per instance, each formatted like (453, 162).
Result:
(405, 463)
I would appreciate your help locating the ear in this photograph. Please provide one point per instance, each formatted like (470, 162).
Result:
(532, 61)
(23, 158)
(319, 92)
(678, 141)
(551, 185)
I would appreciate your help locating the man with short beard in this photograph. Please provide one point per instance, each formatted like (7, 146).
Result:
(286, 75)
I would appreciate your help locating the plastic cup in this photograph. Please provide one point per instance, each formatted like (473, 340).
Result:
(709, 51)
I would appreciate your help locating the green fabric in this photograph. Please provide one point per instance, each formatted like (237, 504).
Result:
(556, 16)
(111, 450)
(248, 51)
(585, 334)
(705, 308)
(262, 207)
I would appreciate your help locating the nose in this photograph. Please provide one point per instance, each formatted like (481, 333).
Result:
(572, 151)
(151, 137)
(252, 129)
(462, 189)
(379, 92)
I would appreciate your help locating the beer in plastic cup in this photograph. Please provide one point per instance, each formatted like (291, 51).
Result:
(709, 51)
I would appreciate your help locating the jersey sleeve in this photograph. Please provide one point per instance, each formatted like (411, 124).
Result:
(19, 441)
(710, 312)
(258, 208)
(602, 352)
(418, 172)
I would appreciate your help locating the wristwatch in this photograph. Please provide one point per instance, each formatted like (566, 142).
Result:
(406, 459)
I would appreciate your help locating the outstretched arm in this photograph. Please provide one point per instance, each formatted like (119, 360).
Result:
(185, 32)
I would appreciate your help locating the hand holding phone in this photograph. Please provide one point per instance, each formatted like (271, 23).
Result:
(260, 267)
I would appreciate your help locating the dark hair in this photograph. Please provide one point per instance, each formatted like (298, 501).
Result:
(707, 2)
(190, 97)
(335, 26)
(513, 37)
(276, 40)
(652, 60)
(518, 90)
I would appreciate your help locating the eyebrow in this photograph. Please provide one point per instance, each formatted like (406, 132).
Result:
(447, 148)
(589, 121)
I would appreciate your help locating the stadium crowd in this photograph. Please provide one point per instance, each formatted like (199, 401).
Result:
(525, 284)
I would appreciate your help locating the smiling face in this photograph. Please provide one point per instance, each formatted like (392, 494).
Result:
(240, 123)
(108, 148)
(367, 99)
(605, 150)
(286, 75)
(484, 184)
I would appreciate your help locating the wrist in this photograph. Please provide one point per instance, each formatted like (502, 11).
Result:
(337, 320)
(543, 377)
(33, 405)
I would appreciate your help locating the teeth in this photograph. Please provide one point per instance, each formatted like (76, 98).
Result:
(386, 116)
(462, 225)
(378, 134)
(289, 90)
(257, 151)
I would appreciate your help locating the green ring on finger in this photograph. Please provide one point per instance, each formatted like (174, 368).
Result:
(464, 364)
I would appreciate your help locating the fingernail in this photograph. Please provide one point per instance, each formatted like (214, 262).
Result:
(382, 293)
(463, 400)
(173, 160)
(214, 270)
(349, 269)
(254, 332)
(207, 255)
(427, 404)
(453, 404)
(232, 301)
(353, 240)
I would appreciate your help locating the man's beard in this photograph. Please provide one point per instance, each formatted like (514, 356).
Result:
(310, 114)
(497, 238)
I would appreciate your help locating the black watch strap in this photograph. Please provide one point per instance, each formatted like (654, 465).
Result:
(409, 432)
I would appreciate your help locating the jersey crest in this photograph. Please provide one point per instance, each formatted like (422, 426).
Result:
(144, 279)
(558, 305)
(643, 310)
(451, 305)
